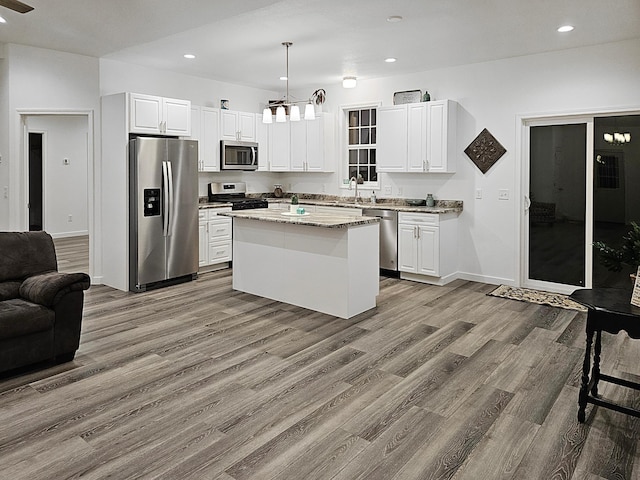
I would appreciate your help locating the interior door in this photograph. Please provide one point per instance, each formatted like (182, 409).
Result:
(558, 204)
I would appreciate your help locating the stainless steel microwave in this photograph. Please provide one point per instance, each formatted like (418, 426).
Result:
(238, 155)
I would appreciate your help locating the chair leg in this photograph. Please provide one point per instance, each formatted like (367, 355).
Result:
(584, 392)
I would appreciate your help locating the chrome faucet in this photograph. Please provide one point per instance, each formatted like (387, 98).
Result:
(356, 181)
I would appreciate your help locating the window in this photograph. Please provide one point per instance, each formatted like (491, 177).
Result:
(361, 148)
(607, 171)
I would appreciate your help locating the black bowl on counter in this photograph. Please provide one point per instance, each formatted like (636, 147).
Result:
(416, 202)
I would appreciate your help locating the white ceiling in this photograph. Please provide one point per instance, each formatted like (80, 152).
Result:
(240, 41)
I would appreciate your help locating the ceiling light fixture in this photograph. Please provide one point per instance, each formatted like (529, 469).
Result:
(617, 138)
(565, 28)
(2, 20)
(349, 82)
(294, 109)
(394, 19)
(390, 59)
(189, 56)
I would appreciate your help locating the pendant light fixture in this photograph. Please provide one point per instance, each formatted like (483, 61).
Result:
(294, 109)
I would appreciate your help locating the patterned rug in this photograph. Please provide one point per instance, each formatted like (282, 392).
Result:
(536, 296)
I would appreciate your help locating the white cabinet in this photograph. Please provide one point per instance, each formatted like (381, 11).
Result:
(417, 137)
(427, 247)
(215, 237)
(205, 127)
(279, 148)
(304, 146)
(262, 138)
(149, 114)
(391, 146)
(239, 126)
(441, 136)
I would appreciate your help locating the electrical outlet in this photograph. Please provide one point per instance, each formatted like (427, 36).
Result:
(478, 193)
(70, 219)
(503, 194)
(400, 191)
(388, 190)
(6, 192)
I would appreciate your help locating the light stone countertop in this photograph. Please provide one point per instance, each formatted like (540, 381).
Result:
(310, 219)
(203, 205)
(442, 206)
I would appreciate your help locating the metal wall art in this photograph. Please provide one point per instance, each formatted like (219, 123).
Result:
(485, 150)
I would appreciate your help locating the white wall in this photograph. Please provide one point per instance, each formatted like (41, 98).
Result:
(4, 139)
(117, 77)
(65, 185)
(41, 79)
(491, 95)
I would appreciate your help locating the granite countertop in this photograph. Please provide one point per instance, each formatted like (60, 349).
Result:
(207, 204)
(310, 219)
(400, 205)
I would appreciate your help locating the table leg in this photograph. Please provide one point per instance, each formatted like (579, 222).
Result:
(595, 373)
(584, 393)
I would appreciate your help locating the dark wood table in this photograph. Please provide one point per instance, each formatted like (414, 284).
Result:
(609, 310)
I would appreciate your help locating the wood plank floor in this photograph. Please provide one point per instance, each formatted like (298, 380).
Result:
(197, 381)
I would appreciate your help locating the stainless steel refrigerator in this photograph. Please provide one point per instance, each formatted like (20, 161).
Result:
(163, 212)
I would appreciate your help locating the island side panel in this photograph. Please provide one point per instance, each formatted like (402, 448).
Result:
(364, 267)
(307, 266)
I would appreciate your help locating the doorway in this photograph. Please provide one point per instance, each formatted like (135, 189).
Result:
(63, 180)
(578, 188)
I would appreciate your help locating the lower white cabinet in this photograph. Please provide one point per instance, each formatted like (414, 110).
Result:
(215, 237)
(427, 247)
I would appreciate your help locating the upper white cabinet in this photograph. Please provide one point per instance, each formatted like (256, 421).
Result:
(304, 146)
(159, 116)
(205, 127)
(441, 136)
(417, 137)
(239, 126)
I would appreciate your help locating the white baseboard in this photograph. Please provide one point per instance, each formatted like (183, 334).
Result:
(472, 277)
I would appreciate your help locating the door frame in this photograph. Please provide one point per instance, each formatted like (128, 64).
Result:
(523, 123)
(23, 184)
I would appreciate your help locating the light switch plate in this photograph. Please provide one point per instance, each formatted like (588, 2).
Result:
(478, 193)
(388, 190)
(503, 194)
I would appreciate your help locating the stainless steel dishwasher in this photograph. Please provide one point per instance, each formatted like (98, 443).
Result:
(388, 236)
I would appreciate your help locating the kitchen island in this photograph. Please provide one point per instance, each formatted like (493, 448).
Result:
(326, 263)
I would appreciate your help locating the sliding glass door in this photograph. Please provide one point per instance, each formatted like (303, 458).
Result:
(581, 185)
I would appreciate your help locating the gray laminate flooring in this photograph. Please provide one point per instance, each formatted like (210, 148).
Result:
(198, 381)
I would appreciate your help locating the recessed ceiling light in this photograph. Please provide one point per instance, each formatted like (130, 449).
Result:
(565, 28)
(390, 60)
(284, 77)
(190, 56)
(394, 19)
(2, 20)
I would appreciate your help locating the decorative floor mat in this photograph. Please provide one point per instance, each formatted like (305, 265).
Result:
(536, 296)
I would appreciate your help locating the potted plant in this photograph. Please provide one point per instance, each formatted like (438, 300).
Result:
(628, 254)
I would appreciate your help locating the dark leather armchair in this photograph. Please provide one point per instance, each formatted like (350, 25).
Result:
(40, 308)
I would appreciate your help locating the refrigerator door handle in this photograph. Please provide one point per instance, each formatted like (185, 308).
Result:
(171, 209)
(253, 156)
(165, 199)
